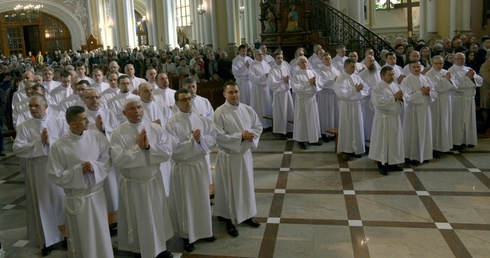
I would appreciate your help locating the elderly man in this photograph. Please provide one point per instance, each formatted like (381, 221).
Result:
(189, 182)
(328, 102)
(163, 94)
(261, 99)
(418, 93)
(464, 112)
(306, 119)
(79, 162)
(414, 56)
(44, 200)
(350, 89)
(386, 135)
(441, 108)
(315, 60)
(234, 196)
(138, 147)
(240, 69)
(282, 102)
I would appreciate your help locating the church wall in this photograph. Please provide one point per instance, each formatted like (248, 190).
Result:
(221, 23)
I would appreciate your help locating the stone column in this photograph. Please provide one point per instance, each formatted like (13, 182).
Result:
(170, 28)
(466, 16)
(431, 20)
(125, 24)
(453, 11)
(214, 26)
(423, 18)
(231, 21)
(356, 10)
(152, 22)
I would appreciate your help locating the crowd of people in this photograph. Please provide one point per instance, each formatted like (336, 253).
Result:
(123, 140)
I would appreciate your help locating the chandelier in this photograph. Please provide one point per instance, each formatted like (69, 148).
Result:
(28, 12)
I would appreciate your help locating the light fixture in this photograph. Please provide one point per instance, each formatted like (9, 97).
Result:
(201, 10)
(144, 19)
(241, 9)
(29, 11)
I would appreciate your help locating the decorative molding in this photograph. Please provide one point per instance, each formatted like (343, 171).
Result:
(80, 10)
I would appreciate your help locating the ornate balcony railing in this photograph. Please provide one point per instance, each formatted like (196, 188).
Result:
(341, 29)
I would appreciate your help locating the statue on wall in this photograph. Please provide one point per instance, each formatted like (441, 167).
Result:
(270, 22)
(292, 19)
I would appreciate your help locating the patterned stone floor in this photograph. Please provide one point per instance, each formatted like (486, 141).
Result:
(313, 204)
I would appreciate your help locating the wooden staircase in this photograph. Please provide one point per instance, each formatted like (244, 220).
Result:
(319, 23)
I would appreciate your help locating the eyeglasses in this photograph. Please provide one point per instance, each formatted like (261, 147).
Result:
(92, 97)
(185, 99)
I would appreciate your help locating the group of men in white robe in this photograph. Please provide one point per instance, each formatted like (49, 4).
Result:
(131, 154)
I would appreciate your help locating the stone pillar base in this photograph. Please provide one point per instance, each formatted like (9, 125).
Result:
(231, 50)
(431, 35)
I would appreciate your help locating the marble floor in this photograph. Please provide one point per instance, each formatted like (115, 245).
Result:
(312, 203)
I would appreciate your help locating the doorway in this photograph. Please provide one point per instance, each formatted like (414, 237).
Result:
(31, 39)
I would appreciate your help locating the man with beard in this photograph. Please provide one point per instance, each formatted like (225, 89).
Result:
(370, 76)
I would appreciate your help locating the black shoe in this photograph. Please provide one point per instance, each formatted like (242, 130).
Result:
(302, 145)
(383, 171)
(412, 162)
(188, 247)
(231, 229)
(325, 138)
(64, 243)
(252, 222)
(136, 255)
(280, 136)
(346, 156)
(436, 155)
(458, 147)
(223, 219)
(2, 154)
(316, 144)
(358, 155)
(470, 146)
(210, 239)
(395, 168)
(165, 254)
(46, 250)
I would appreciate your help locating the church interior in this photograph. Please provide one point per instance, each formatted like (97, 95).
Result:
(310, 203)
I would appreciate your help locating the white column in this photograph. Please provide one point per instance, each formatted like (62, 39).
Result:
(431, 17)
(356, 10)
(125, 24)
(207, 17)
(170, 28)
(214, 25)
(423, 18)
(112, 24)
(231, 21)
(152, 23)
(90, 23)
(466, 16)
(242, 22)
(453, 21)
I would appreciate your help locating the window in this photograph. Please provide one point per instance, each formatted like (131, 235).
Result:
(387, 4)
(141, 29)
(183, 13)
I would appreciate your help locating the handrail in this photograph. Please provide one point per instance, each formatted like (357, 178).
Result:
(341, 29)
